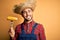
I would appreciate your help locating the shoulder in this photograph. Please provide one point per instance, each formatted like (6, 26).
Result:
(40, 26)
(18, 27)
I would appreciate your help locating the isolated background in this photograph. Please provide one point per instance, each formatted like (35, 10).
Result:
(47, 12)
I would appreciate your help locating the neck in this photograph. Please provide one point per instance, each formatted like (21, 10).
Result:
(27, 21)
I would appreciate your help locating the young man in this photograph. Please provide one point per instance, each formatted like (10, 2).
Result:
(28, 30)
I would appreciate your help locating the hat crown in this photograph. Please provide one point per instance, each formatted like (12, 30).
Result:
(29, 3)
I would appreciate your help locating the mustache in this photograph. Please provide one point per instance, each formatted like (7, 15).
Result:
(28, 15)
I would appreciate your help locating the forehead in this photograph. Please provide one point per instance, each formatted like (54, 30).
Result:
(27, 9)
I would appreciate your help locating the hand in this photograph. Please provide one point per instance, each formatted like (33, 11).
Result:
(11, 32)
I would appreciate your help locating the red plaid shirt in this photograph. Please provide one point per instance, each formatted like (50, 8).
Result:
(39, 30)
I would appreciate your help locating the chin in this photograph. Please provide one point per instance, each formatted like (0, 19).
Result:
(28, 19)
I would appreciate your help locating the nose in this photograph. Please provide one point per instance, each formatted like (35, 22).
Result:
(27, 13)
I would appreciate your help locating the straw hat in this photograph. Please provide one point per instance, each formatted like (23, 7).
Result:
(28, 4)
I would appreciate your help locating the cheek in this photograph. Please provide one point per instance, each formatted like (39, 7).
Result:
(31, 14)
(24, 15)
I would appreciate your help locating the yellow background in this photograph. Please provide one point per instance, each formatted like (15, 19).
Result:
(47, 12)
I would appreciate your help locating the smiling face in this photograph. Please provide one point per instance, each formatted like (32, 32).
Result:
(27, 14)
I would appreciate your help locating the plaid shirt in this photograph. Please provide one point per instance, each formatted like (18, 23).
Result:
(39, 30)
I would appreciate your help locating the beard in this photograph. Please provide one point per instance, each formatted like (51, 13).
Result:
(28, 18)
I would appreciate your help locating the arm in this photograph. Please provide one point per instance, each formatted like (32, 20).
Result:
(14, 33)
(17, 31)
(41, 32)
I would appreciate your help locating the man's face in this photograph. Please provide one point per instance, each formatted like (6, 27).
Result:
(27, 14)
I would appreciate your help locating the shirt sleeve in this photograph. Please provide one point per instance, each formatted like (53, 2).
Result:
(41, 32)
(17, 31)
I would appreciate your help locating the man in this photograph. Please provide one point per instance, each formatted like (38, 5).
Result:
(28, 30)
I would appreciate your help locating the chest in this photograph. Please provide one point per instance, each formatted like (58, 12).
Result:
(29, 28)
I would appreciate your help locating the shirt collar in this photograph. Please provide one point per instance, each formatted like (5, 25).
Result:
(32, 22)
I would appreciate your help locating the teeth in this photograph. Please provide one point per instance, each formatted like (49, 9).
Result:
(28, 17)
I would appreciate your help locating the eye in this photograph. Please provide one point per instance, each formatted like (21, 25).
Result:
(23, 11)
